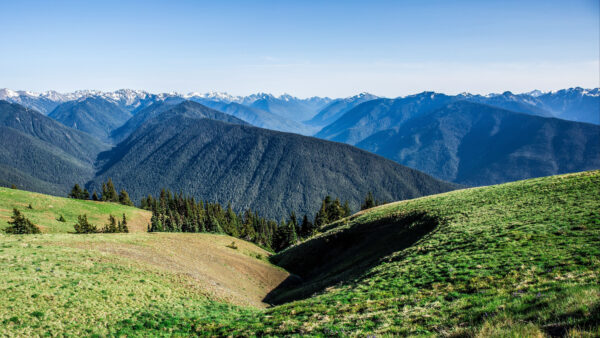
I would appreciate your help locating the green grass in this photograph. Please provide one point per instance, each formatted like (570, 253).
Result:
(518, 259)
(49, 288)
(47, 209)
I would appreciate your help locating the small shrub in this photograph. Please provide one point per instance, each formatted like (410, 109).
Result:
(13, 186)
(29, 206)
(61, 219)
(232, 245)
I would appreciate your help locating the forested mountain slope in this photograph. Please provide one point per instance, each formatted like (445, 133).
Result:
(476, 144)
(95, 116)
(270, 172)
(40, 154)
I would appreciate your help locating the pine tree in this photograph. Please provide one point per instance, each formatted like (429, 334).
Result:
(21, 225)
(334, 211)
(95, 196)
(111, 191)
(85, 195)
(83, 226)
(346, 209)
(307, 229)
(369, 202)
(76, 192)
(104, 192)
(111, 227)
(124, 198)
(124, 227)
(322, 218)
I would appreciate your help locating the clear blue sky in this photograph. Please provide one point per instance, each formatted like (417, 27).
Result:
(305, 48)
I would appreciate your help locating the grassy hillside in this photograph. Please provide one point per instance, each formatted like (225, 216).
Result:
(82, 285)
(518, 259)
(47, 209)
(522, 257)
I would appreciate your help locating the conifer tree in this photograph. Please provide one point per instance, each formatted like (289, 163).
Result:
(76, 192)
(111, 191)
(83, 226)
(306, 228)
(21, 225)
(95, 196)
(321, 217)
(104, 192)
(12, 186)
(124, 227)
(85, 195)
(334, 211)
(346, 209)
(111, 227)
(124, 198)
(369, 202)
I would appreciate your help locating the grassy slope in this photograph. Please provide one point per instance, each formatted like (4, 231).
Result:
(97, 284)
(519, 259)
(47, 209)
(516, 259)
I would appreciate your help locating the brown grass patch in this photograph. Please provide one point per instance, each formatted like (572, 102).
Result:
(235, 276)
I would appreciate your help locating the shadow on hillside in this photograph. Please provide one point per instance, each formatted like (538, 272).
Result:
(345, 255)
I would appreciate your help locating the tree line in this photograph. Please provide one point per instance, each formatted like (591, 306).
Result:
(83, 226)
(178, 213)
(109, 194)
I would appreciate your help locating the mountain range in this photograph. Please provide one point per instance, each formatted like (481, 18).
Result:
(188, 147)
(227, 148)
(474, 144)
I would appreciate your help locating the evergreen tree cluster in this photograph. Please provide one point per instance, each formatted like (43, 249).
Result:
(178, 213)
(79, 194)
(370, 202)
(109, 194)
(83, 226)
(331, 211)
(20, 225)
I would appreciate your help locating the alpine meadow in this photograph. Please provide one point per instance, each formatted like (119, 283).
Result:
(436, 172)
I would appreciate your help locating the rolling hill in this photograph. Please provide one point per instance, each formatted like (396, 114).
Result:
(47, 209)
(503, 260)
(95, 116)
(474, 144)
(270, 172)
(41, 154)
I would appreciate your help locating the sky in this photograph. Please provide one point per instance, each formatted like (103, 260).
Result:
(304, 48)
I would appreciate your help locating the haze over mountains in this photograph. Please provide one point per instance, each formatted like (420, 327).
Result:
(217, 146)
